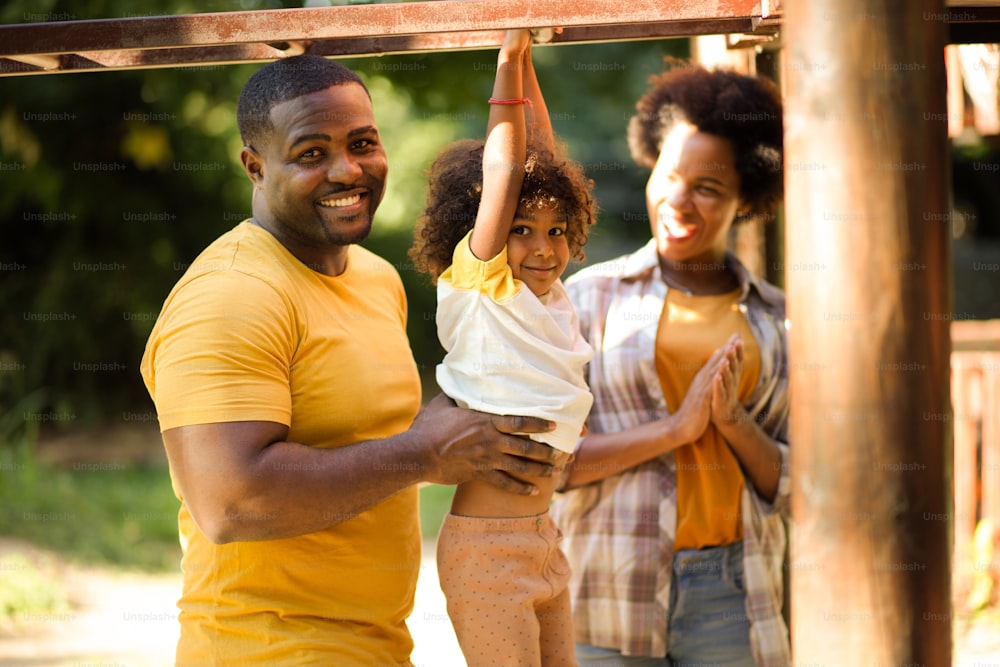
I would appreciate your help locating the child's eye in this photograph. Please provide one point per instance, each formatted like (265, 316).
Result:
(557, 231)
(311, 154)
(520, 230)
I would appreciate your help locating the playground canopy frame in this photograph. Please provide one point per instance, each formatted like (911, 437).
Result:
(146, 42)
(867, 472)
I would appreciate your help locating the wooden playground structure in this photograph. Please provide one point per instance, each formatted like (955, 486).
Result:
(895, 424)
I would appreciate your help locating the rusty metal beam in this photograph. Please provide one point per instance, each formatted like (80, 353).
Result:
(392, 28)
(354, 21)
(347, 22)
(344, 31)
(122, 59)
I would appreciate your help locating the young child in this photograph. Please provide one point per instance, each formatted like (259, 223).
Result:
(502, 220)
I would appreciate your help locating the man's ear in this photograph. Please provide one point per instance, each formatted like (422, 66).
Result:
(253, 165)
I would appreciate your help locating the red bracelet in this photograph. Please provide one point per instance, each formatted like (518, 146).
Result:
(520, 100)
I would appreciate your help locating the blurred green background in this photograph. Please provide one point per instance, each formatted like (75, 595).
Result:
(111, 184)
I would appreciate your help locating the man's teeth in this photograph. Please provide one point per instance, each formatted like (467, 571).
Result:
(337, 203)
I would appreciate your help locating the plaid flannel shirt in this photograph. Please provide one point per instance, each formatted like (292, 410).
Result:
(619, 532)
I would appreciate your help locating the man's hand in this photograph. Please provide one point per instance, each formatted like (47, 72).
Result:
(231, 470)
(475, 445)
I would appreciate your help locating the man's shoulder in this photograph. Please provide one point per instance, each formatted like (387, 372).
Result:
(363, 259)
(374, 272)
(238, 266)
(239, 249)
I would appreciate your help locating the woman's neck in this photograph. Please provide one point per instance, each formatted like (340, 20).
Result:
(697, 277)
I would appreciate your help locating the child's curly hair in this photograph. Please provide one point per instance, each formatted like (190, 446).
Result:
(746, 110)
(456, 188)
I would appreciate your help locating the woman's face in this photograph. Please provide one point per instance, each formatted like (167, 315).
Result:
(692, 196)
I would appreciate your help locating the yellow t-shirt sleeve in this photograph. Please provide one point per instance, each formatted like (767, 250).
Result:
(491, 277)
(221, 352)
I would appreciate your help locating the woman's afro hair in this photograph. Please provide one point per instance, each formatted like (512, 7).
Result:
(745, 110)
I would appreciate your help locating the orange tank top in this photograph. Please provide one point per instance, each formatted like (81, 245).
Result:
(709, 478)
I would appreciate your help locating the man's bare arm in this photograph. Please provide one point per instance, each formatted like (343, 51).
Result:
(243, 481)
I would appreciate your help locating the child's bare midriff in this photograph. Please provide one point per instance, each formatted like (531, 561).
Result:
(477, 498)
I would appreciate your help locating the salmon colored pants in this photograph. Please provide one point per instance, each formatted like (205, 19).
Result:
(505, 584)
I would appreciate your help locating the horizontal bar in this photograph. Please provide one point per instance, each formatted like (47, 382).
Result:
(410, 27)
(493, 38)
(227, 54)
(350, 21)
(973, 33)
(975, 335)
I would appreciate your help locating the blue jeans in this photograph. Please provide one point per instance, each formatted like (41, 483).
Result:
(707, 626)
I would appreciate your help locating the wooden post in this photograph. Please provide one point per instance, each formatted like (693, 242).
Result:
(868, 278)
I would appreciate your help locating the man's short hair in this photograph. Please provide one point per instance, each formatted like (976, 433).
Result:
(284, 80)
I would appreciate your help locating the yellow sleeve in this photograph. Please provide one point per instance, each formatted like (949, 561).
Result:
(491, 277)
(221, 352)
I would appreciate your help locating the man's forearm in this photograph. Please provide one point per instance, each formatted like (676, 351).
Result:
(289, 489)
(245, 481)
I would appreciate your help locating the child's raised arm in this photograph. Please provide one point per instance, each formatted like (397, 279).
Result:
(541, 125)
(504, 153)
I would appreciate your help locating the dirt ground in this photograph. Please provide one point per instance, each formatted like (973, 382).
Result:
(129, 620)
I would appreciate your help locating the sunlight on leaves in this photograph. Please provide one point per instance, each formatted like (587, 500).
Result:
(17, 140)
(147, 145)
(411, 143)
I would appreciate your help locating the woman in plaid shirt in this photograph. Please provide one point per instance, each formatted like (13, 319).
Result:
(672, 509)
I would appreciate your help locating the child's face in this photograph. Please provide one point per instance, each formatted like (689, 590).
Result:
(537, 250)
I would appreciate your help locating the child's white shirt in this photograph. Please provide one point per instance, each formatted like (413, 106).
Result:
(510, 352)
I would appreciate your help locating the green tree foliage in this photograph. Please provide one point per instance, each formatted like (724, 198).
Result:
(111, 183)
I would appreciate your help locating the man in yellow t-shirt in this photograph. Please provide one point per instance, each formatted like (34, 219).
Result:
(289, 401)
